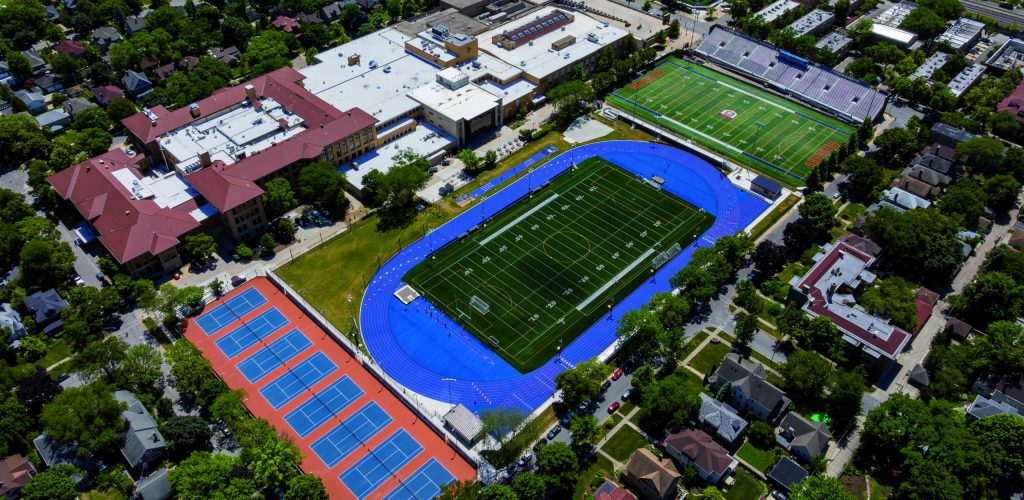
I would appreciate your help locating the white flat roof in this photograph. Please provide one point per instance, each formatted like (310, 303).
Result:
(894, 16)
(489, 66)
(425, 140)
(166, 190)
(961, 32)
(776, 10)
(934, 62)
(380, 91)
(963, 80)
(228, 135)
(538, 58)
(514, 90)
(464, 103)
(895, 34)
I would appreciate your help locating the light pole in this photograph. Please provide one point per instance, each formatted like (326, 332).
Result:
(449, 380)
(757, 134)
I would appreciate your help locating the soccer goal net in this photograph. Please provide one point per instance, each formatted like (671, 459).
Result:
(666, 256)
(479, 305)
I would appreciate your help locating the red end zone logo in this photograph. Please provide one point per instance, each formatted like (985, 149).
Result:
(728, 114)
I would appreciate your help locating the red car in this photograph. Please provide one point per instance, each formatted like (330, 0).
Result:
(617, 374)
(614, 406)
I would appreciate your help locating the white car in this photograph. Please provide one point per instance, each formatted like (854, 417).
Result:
(79, 281)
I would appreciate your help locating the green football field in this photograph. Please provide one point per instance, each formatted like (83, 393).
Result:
(776, 137)
(539, 273)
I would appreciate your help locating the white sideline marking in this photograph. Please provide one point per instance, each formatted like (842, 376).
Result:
(518, 219)
(612, 281)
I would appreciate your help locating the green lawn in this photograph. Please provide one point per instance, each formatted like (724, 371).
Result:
(623, 443)
(761, 460)
(595, 473)
(539, 273)
(776, 137)
(769, 220)
(57, 350)
(746, 487)
(709, 357)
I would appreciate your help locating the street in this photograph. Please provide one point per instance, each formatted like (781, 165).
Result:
(993, 10)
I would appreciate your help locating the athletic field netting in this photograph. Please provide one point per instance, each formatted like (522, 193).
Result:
(535, 276)
(776, 137)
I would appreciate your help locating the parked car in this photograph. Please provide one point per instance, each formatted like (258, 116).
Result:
(617, 374)
(62, 377)
(626, 394)
(554, 432)
(525, 459)
(614, 406)
(606, 385)
(541, 442)
(78, 280)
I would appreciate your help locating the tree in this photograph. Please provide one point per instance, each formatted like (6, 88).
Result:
(924, 22)
(769, 258)
(267, 244)
(91, 118)
(843, 400)
(88, 415)
(748, 298)
(762, 434)
(395, 191)
(585, 432)
(470, 160)
(948, 9)
(15, 426)
(529, 485)
(461, 490)
(319, 184)
(964, 201)
(45, 264)
(306, 487)
(660, 38)
(991, 297)
(819, 211)
(273, 462)
(278, 197)
(496, 491)
(120, 108)
(820, 487)
(243, 252)
(209, 476)
(22, 140)
(30, 347)
(569, 100)
(671, 309)
(983, 154)
(217, 287)
(186, 434)
(642, 329)
(896, 146)
(100, 359)
(674, 29)
(268, 51)
(668, 402)
(806, 374)
(55, 483)
(557, 464)
(1002, 348)
(746, 329)
(284, 231)
(199, 248)
(501, 422)
(581, 382)
(919, 244)
(140, 368)
(188, 366)
(864, 179)
(1002, 191)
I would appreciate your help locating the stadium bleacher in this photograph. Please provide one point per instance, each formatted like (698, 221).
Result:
(819, 86)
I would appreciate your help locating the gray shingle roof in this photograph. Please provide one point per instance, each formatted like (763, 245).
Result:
(155, 487)
(142, 434)
(787, 473)
(721, 418)
(750, 376)
(798, 432)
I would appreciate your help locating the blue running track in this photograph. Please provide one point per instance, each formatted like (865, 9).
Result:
(419, 346)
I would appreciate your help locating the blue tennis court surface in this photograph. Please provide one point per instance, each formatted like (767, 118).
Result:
(251, 332)
(327, 402)
(381, 463)
(423, 484)
(348, 435)
(284, 388)
(239, 305)
(274, 355)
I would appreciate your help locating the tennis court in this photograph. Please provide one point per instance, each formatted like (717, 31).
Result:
(315, 392)
(328, 402)
(529, 281)
(251, 332)
(779, 138)
(424, 483)
(370, 472)
(350, 433)
(242, 304)
(274, 355)
(304, 375)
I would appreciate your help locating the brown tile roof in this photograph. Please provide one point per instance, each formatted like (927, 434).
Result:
(916, 186)
(70, 47)
(107, 93)
(659, 474)
(127, 227)
(701, 450)
(15, 471)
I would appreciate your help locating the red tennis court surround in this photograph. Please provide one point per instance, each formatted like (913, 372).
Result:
(354, 431)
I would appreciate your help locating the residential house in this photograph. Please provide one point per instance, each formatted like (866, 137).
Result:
(69, 5)
(918, 376)
(6, 77)
(655, 478)
(76, 105)
(156, 486)
(135, 24)
(54, 120)
(804, 438)
(70, 47)
(34, 101)
(927, 176)
(56, 453)
(164, 72)
(948, 135)
(107, 93)
(958, 330)
(15, 472)
(10, 320)
(228, 55)
(48, 84)
(46, 306)
(983, 407)
(916, 187)
(105, 36)
(1005, 389)
(1013, 103)
(305, 18)
(143, 444)
(332, 11)
(36, 62)
(188, 63)
(935, 158)
(612, 491)
(51, 13)
(751, 390)
(696, 448)
(786, 473)
(286, 24)
(136, 84)
(904, 199)
(5, 108)
(721, 420)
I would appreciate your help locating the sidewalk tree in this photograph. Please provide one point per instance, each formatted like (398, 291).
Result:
(584, 432)
(769, 258)
(202, 473)
(243, 252)
(198, 249)
(37, 389)
(267, 244)
(140, 368)
(746, 329)
(1002, 191)
(990, 297)
(864, 178)
(496, 491)
(529, 485)
(668, 402)
(805, 374)
(845, 391)
(964, 201)
(501, 422)
(88, 415)
(216, 287)
(15, 426)
(306, 487)
(819, 212)
(671, 309)
(100, 360)
(641, 330)
(284, 231)
(557, 464)
(278, 197)
(273, 462)
(674, 29)
(581, 382)
(186, 434)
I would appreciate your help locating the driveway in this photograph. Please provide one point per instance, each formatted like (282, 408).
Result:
(15, 180)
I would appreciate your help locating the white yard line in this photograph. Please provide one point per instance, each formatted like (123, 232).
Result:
(519, 219)
(615, 279)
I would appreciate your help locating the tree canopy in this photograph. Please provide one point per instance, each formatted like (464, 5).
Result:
(581, 382)
(919, 244)
(88, 415)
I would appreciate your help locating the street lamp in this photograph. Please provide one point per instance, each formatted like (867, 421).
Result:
(449, 380)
